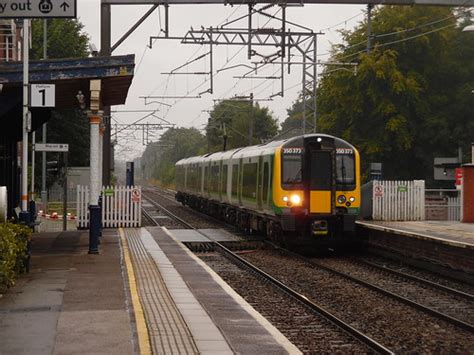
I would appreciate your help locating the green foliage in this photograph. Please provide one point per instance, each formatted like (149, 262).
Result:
(231, 118)
(410, 100)
(65, 38)
(294, 116)
(13, 252)
(176, 143)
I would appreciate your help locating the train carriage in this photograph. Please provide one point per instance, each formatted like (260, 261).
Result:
(302, 188)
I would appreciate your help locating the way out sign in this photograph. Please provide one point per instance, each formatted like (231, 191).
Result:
(43, 95)
(37, 8)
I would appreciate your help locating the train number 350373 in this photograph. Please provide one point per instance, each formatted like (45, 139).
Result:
(292, 150)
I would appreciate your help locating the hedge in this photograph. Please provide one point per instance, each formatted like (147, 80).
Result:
(14, 240)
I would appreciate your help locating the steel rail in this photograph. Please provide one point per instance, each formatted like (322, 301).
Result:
(371, 343)
(169, 213)
(432, 284)
(402, 299)
(390, 294)
(147, 215)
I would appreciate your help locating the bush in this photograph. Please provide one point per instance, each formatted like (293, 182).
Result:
(14, 240)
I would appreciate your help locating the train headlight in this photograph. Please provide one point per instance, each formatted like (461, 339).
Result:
(285, 199)
(352, 198)
(341, 199)
(295, 199)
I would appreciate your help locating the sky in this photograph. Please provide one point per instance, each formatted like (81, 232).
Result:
(166, 55)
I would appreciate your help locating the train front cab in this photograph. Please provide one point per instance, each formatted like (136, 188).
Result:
(318, 188)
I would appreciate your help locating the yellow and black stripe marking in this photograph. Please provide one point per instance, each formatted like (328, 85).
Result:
(142, 331)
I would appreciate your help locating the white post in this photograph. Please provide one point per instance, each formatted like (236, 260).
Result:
(95, 121)
(24, 155)
(101, 154)
(33, 141)
(94, 210)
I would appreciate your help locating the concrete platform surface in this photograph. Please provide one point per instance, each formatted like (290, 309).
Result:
(203, 235)
(144, 293)
(70, 302)
(452, 233)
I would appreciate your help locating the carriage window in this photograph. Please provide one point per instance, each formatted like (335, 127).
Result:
(265, 183)
(214, 181)
(224, 178)
(206, 179)
(235, 179)
(249, 183)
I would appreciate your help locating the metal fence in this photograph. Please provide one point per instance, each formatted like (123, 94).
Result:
(443, 204)
(121, 206)
(398, 200)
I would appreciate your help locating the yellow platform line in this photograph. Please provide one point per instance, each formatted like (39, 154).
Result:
(142, 331)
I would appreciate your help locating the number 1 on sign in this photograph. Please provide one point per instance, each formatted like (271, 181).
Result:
(43, 97)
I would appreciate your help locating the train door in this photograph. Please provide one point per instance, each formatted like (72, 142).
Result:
(260, 182)
(219, 181)
(320, 171)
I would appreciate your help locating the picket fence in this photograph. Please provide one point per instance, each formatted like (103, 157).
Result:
(121, 206)
(398, 200)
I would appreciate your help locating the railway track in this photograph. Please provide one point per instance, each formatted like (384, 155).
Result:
(457, 310)
(337, 331)
(430, 309)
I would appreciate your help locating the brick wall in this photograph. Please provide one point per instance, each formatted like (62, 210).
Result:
(451, 258)
(468, 193)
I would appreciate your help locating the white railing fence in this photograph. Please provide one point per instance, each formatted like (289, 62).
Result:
(121, 206)
(443, 204)
(398, 200)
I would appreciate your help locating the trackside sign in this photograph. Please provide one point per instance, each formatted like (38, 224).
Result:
(37, 8)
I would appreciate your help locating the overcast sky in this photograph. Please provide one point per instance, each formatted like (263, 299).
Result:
(169, 54)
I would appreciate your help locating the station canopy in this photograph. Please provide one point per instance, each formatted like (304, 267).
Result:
(69, 76)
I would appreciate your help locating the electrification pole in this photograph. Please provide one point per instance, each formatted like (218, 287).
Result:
(106, 50)
(24, 214)
(44, 193)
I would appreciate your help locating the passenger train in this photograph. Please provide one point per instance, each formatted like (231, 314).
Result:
(299, 189)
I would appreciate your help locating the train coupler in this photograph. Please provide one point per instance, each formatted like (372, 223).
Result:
(319, 227)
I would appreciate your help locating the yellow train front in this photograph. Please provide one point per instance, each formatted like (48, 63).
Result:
(316, 188)
(305, 188)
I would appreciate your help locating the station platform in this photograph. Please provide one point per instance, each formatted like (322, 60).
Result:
(447, 232)
(449, 244)
(144, 293)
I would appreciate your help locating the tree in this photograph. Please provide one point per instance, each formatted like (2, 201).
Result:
(65, 39)
(409, 100)
(231, 118)
(159, 158)
(294, 120)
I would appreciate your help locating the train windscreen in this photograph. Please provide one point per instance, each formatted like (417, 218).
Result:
(345, 169)
(292, 168)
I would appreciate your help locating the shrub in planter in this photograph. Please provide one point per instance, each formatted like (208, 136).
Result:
(14, 240)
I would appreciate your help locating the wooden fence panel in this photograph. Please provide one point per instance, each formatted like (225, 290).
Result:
(121, 206)
(398, 200)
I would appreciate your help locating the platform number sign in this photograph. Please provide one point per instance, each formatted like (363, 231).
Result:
(43, 95)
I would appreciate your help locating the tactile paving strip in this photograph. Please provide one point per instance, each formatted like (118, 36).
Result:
(167, 329)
